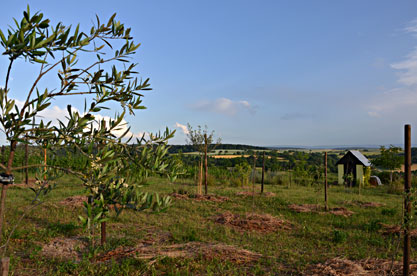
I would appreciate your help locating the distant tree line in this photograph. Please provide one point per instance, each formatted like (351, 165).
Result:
(191, 148)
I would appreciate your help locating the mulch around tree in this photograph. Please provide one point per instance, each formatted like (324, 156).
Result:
(190, 250)
(74, 201)
(253, 222)
(249, 193)
(316, 208)
(364, 204)
(387, 229)
(368, 267)
(65, 248)
(197, 197)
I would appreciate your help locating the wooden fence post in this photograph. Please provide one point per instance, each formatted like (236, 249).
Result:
(253, 181)
(407, 203)
(325, 181)
(263, 173)
(205, 165)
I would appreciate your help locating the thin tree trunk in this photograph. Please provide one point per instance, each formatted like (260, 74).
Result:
(44, 160)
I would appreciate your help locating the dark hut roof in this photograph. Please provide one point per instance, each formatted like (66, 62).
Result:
(358, 156)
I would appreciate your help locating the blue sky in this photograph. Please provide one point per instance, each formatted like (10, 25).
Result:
(262, 72)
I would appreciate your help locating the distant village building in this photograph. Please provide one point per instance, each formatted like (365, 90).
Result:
(352, 162)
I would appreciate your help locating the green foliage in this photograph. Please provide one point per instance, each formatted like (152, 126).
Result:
(339, 236)
(103, 160)
(389, 159)
(242, 172)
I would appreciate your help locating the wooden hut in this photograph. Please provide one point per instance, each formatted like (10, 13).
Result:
(352, 162)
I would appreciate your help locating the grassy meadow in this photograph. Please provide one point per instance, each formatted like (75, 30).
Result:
(189, 224)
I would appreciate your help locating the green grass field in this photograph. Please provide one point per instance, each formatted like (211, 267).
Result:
(312, 237)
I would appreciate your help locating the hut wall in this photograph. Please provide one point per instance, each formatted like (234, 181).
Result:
(359, 174)
(340, 173)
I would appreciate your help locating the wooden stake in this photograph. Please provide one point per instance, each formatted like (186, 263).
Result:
(325, 182)
(205, 165)
(407, 202)
(263, 173)
(253, 182)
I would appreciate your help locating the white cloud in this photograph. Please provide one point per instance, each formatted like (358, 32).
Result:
(408, 75)
(184, 128)
(392, 101)
(412, 27)
(56, 113)
(399, 99)
(224, 106)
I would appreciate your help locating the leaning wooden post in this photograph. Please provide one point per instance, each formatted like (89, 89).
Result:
(407, 203)
(325, 182)
(263, 173)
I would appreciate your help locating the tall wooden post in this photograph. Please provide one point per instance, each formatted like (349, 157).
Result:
(325, 182)
(407, 202)
(263, 173)
(26, 163)
(205, 165)
(253, 181)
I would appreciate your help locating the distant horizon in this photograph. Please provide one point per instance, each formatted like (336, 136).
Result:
(314, 147)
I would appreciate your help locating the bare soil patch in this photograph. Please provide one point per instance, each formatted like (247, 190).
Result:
(74, 201)
(365, 204)
(253, 222)
(187, 250)
(315, 208)
(65, 248)
(368, 267)
(197, 197)
(248, 193)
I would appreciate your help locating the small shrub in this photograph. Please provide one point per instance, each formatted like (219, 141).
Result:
(235, 182)
(373, 226)
(388, 212)
(339, 236)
